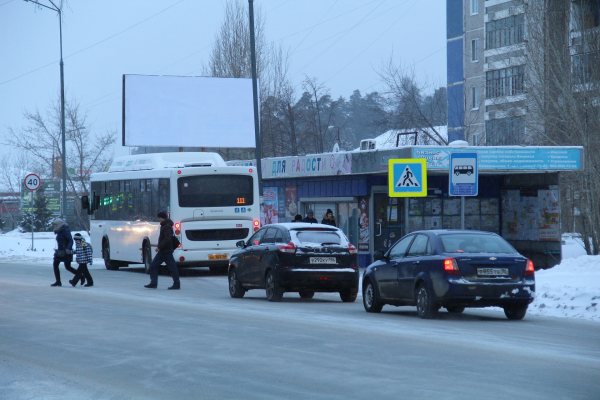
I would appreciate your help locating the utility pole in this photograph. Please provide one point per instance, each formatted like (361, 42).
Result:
(255, 96)
(63, 209)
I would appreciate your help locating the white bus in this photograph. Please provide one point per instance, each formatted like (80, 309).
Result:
(212, 205)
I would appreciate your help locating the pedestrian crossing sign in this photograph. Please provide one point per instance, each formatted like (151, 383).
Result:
(407, 177)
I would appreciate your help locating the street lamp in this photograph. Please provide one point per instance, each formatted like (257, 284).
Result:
(62, 109)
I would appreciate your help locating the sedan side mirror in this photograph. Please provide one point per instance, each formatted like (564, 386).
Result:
(378, 255)
(241, 244)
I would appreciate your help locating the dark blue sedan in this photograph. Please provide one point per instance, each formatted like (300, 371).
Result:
(453, 269)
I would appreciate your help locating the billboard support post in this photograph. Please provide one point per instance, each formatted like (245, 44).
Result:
(255, 96)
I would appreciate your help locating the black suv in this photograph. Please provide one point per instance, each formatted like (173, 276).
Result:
(295, 257)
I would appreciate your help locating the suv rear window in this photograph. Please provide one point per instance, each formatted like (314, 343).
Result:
(318, 237)
(475, 243)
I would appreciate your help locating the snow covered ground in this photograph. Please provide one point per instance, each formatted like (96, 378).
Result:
(571, 289)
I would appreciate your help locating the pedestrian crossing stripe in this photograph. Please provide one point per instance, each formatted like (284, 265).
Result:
(407, 177)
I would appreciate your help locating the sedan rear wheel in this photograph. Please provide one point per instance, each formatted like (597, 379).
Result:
(274, 291)
(370, 300)
(235, 287)
(306, 295)
(515, 312)
(348, 295)
(455, 309)
(426, 306)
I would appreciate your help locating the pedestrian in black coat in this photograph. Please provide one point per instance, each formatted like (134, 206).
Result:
(164, 250)
(328, 218)
(64, 251)
(310, 218)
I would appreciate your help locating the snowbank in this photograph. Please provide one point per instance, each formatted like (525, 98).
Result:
(571, 289)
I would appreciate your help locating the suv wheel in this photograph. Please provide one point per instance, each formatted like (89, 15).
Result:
(426, 306)
(306, 295)
(515, 312)
(274, 291)
(235, 287)
(348, 295)
(370, 300)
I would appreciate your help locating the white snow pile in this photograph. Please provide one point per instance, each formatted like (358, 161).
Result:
(570, 289)
(15, 246)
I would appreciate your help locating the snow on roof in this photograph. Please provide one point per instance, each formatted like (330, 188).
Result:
(388, 139)
(165, 160)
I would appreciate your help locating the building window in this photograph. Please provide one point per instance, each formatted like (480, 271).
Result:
(474, 50)
(505, 131)
(504, 82)
(475, 98)
(504, 32)
(585, 67)
(475, 139)
(474, 7)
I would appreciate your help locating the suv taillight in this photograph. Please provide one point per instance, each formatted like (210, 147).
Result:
(529, 270)
(451, 267)
(351, 249)
(287, 248)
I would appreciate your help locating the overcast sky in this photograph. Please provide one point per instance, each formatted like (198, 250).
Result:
(340, 42)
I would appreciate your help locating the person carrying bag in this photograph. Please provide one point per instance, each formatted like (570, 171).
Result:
(64, 251)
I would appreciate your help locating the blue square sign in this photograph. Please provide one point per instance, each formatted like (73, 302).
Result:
(464, 176)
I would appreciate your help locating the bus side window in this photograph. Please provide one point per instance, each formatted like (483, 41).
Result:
(163, 195)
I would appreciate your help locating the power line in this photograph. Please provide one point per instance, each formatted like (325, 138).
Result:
(348, 31)
(341, 32)
(313, 28)
(5, 3)
(273, 9)
(95, 44)
(324, 22)
(374, 41)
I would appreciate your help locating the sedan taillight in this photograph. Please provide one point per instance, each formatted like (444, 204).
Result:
(451, 267)
(352, 249)
(287, 248)
(529, 270)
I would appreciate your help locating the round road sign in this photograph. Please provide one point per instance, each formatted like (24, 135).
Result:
(32, 182)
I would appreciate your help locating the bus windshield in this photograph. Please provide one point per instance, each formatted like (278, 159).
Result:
(215, 191)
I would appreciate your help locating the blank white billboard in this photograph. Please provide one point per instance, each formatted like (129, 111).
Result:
(187, 111)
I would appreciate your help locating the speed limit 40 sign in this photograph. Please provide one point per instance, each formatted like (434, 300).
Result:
(32, 182)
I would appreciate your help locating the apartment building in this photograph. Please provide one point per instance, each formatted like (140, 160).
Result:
(493, 55)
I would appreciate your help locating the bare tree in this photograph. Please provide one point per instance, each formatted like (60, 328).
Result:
(230, 56)
(41, 140)
(563, 89)
(406, 109)
(317, 113)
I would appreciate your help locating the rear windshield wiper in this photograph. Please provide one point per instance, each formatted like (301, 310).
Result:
(327, 243)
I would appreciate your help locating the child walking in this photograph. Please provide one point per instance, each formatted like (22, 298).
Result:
(83, 253)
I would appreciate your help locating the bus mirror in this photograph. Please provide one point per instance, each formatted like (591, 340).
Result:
(85, 202)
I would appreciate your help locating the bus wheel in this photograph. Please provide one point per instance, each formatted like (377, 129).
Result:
(147, 252)
(108, 263)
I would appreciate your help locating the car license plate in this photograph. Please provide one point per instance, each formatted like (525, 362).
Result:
(217, 256)
(492, 271)
(322, 260)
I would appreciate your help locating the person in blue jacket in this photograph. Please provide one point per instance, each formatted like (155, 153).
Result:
(64, 251)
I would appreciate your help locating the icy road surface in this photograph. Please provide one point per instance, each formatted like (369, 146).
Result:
(118, 340)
